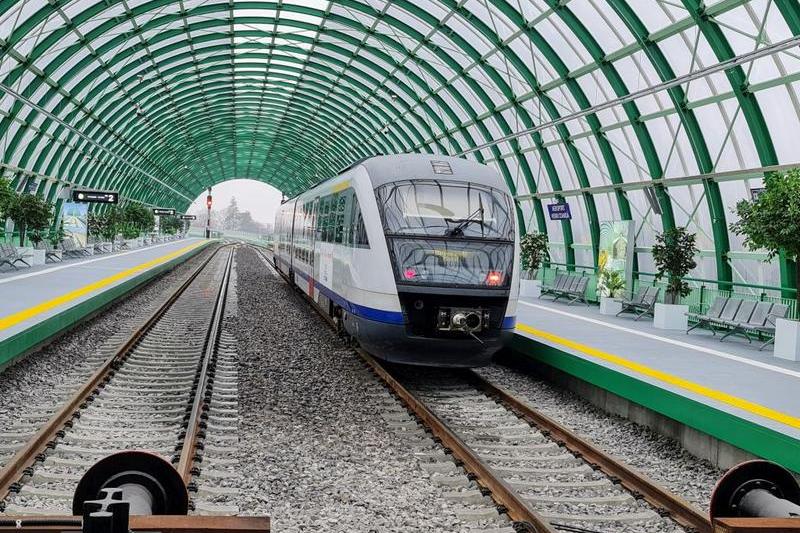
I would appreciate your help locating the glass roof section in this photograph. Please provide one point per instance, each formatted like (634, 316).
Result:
(665, 115)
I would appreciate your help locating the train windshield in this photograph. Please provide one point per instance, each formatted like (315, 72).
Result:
(439, 208)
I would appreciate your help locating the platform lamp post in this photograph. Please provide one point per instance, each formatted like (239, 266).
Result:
(208, 220)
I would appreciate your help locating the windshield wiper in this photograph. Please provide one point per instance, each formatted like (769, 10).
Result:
(458, 231)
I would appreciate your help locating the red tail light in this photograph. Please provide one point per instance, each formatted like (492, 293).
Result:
(409, 273)
(494, 278)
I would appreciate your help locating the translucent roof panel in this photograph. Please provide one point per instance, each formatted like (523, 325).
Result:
(665, 116)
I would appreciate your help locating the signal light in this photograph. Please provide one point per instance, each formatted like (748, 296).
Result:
(494, 278)
(208, 201)
(409, 273)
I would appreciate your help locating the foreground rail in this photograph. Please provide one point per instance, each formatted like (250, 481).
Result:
(149, 484)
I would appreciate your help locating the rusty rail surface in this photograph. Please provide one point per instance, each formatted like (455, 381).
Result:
(502, 493)
(161, 523)
(194, 429)
(36, 445)
(680, 510)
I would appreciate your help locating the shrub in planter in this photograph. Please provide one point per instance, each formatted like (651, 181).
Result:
(140, 218)
(610, 283)
(771, 221)
(57, 237)
(673, 254)
(30, 213)
(533, 251)
(170, 225)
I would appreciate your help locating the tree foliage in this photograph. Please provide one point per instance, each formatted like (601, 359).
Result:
(30, 213)
(170, 224)
(7, 195)
(138, 218)
(534, 250)
(673, 254)
(771, 221)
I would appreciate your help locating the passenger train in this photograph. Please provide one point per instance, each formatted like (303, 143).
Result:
(415, 256)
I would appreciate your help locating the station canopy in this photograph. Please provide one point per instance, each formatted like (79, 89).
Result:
(664, 112)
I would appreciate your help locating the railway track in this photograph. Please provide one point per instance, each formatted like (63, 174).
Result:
(169, 388)
(542, 475)
(538, 471)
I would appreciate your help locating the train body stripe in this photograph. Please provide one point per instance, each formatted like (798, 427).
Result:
(363, 311)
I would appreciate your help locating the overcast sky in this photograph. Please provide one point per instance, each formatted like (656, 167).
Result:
(260, 199)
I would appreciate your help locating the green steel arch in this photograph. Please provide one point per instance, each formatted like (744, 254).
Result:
(591, 102)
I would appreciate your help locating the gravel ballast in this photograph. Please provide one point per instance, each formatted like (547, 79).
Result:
(324, 446)
(35, 383)
(656, 456)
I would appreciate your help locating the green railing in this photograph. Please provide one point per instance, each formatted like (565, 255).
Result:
(703, 291)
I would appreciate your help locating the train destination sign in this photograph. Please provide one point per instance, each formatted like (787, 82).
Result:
(188, 217)
(559, 211)
(158, 211)
(101, 197)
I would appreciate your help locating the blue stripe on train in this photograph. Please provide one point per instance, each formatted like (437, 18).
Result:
(370, 313)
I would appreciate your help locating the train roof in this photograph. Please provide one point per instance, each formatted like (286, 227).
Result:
(384, 169)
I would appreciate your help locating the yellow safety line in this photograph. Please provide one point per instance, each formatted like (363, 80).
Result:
(676, 381)
(26, 314)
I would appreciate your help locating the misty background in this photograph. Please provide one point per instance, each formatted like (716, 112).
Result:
(239, 205)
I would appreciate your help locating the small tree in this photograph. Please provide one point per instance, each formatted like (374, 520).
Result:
(7, 196)
(57, 236)
(171, 224)
(771, 221)
(533, 248)
(137, 220)
(30, 213)
(673, 254)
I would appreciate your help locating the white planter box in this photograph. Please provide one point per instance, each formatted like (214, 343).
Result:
(530, 288)
(32, 256)
(787, 339)
(610, 305)
(132, 243)
(671, 316)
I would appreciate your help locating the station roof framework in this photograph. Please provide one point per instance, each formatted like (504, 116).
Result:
(664, 112)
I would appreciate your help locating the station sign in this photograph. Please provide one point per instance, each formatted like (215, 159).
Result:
(559, 211)
(98, 197)
(188, 217)
(755, 192)
(158, 211)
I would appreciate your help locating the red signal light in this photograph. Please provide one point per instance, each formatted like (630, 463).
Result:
(494, 278)
(208, 201)
(409, 273)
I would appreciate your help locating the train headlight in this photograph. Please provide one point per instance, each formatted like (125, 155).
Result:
(494, 278)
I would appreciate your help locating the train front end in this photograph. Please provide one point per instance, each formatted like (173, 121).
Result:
(454, 254)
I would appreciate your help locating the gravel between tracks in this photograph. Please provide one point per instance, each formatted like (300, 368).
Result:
(320, 448)
(36, 379)
(656, 456)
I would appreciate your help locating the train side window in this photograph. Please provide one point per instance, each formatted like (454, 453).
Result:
(341, 200)
(360, 239)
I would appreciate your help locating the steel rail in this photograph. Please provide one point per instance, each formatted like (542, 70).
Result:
(26, 456)
(501, 492)
(680, 510)
(194, 429)
(160, 523)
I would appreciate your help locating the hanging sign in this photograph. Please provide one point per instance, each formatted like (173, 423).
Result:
(559, 211)
(100, 197)
(158, 211)
(188, 217)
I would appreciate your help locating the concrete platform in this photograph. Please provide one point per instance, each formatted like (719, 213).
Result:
(38, 303)
(718, 399)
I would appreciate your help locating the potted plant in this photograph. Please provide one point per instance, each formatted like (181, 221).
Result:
(771, 222)
(31, 213)
(533, 251)
(7, 195)
(673, 254)
(610, 286)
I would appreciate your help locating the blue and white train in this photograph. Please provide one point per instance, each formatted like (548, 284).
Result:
(415, 256)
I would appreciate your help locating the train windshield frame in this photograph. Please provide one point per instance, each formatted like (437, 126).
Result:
(445, 209)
